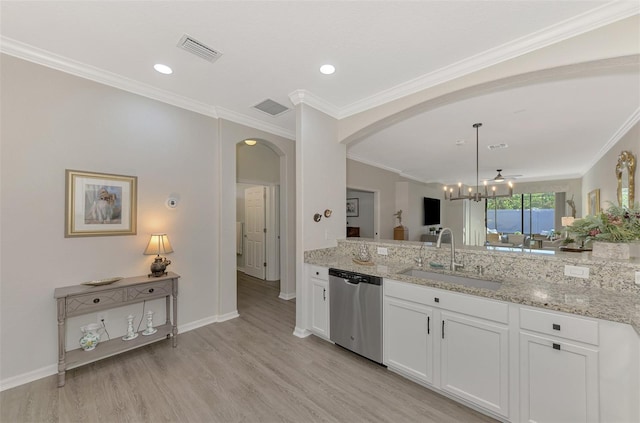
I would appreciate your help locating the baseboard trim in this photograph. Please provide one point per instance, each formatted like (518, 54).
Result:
(301, 333)
(286, 297)
(228, 316)
(12, 382)
(21, 379)
(197, 324)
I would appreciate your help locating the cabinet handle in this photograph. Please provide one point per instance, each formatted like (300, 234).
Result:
(428, 325)
(96, 300)
(150, 290)
(324, 294)
(436, 299)
(443, 329)
(556, 326)
(317, 273)
(556, 346)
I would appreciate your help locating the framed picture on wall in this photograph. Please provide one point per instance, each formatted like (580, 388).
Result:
(593, 202)
(353, 208)
(99, 204)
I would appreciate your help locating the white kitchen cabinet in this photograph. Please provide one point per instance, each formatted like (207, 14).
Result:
(558, 368)
(558, 381)
(408, 338)
(318, 279)
(474, 362)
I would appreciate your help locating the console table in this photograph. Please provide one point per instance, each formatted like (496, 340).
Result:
(77, 300)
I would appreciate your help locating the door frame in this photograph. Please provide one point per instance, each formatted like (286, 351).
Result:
(376, 207)
(230, 134)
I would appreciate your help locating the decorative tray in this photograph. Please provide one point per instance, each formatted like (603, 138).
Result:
(102, 281)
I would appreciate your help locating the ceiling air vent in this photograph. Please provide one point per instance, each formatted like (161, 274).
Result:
(199, 49)
(270, 107)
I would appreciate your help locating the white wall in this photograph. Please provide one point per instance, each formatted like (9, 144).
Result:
(364, 220)
(369, 178)
(603, 176)
(321, 184)
(257, 164)
(53, 121)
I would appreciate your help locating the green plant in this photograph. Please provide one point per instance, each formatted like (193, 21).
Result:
(616, 224)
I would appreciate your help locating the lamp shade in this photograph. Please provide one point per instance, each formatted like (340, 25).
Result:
(158, 244)
(567, 220)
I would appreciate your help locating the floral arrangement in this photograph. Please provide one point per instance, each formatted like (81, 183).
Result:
(616, 224)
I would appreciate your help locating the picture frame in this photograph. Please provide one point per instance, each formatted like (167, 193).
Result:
(100, 204)
(593, 202)
(353, 207)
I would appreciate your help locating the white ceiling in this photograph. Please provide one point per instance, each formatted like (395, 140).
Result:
(554, 127)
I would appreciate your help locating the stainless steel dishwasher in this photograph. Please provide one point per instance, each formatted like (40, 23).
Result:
(355, 304)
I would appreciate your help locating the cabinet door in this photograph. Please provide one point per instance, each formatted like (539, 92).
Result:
(558, 381)
(320, 307)
(408, 338)
(474, 361)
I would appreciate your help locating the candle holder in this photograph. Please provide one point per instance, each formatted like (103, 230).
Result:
(150, 330)
(131, 334)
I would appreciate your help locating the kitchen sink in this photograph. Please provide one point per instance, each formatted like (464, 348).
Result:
(455, 279)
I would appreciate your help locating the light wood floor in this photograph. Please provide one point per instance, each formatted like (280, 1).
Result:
(249, 369)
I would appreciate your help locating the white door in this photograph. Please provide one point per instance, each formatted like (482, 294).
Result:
(408, 335)
(475, 361)
(254, 213)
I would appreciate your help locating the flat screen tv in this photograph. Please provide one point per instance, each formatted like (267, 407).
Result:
(431, 211)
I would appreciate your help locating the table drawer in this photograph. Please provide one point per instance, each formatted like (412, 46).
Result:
(81, 304)
(149, 290)
(556, 324)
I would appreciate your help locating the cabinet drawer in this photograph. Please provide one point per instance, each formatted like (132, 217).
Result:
(149, 290)
(319, 272)
(569, 327)
(461, 303)
(85, 303)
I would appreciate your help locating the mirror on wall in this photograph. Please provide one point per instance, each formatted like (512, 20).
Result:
(625, 170)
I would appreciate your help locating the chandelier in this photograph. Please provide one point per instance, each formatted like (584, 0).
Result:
(476, 196)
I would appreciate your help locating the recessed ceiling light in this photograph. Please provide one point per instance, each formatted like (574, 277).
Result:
(497, 146)
(327, 69)
(250, 142)
(460, 143)
(163, 68)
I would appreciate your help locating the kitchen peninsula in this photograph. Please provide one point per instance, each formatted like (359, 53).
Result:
(540, 346)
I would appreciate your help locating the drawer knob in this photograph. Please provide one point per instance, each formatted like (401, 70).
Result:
(436, 299)
(317, 273)
(556, 326)
(96, 300)
(150, 290)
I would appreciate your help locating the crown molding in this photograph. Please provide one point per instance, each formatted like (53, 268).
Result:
(617, 136)
(46, 58)
(588, 21)
(236, 117)
(306, 97)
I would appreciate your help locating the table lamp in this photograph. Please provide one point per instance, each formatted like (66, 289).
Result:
(159, 244)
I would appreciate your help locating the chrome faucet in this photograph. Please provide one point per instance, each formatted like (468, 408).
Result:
(453, 266)
(420, 259)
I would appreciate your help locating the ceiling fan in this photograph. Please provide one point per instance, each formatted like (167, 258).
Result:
(500, 178)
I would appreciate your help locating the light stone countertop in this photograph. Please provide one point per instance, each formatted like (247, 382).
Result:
(606, 304)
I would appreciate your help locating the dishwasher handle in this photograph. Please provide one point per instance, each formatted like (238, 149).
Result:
(348, 282)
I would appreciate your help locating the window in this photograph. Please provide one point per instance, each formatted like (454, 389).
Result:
(522, 213)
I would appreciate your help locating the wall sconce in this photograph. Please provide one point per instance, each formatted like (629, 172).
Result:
(159, 244)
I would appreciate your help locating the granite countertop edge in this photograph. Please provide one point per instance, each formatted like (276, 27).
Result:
(599, 303)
